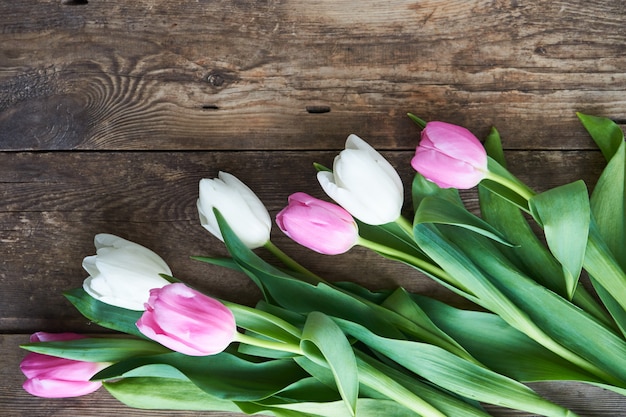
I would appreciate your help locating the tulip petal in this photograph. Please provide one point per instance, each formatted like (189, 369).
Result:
(319, 225)
(187, 321)
(47, 388)
(242, 209)
(364, 183)
(457, 173)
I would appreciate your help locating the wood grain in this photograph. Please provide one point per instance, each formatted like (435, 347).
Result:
(241, 74)
(111, 111)
(55, 202)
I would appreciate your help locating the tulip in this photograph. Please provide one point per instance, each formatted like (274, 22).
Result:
(450, 156)
(364, 183)
(241, 208)
(52, 377)
(319, 225)
(122, 273)
(187, 321)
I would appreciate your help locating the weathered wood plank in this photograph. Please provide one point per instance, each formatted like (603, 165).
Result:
(586, 400)
(241, 74)
(54, 203)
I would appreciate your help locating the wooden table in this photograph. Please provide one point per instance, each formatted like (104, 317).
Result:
(112, 111)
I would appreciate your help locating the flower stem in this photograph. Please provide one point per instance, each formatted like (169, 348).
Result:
(515, 186)
(424, 266)
(292, 263)
(267, 344)
(405, 225)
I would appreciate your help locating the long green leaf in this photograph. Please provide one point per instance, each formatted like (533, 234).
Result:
(97, 349)
(605, 132)
(605, 269)
(531, 255)
(400, 302)
(439, 211)
(264, 324)
(547, 317)
(166, 394)
(224, 375)
(499, 346)
(565, 215)
(323, 342)
(493, 146)
(457, 375)
(503, 191)
(608, 204)
(450, 404)
(103, 314)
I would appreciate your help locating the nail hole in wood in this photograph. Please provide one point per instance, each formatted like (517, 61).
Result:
(74, 2)
(210, 107)
(317, 109)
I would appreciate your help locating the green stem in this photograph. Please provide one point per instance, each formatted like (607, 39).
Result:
(405, 225)
(422, 265)
(384, 384)
(267, 344)
(292, 263)
(514, 186)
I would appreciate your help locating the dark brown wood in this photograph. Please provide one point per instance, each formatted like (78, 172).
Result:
(241, 75)
(112, 111)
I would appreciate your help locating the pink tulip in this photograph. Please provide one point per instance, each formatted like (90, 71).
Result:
(187, 321)
(319, 225)
(450, 156)
(52, 377)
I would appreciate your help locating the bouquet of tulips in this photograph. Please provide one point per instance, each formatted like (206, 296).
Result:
(313, 347)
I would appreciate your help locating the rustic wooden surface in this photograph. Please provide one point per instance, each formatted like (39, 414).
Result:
(112, 111)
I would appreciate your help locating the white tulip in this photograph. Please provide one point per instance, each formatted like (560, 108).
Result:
(243, 211)
(364, 183)
(122, 273)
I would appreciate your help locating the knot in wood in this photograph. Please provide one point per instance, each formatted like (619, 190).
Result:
(215, 79)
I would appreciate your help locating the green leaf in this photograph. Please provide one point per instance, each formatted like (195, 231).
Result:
(324, 343)
(390, 235)
(401, 302)
(608, 204)
(544, 316)
(319, 167)
(223, 262)
(264, 324)
(224, 375)
(499, 346)
(604, 268)
(531, 256)
(606, 133)
(455, 374)
(505, 192)
(97, 349)
(440, 211)
(565, 215)
(300, 296)
(166, 394)
(103, 314)
(493, 146)
(423, 188)
(421, 123)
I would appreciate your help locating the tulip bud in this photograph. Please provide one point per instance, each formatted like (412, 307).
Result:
(187, 321)
(450, 156)
(52, 377)
(241, 208)
(122, 273)
(321, 226)
(364, 183)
